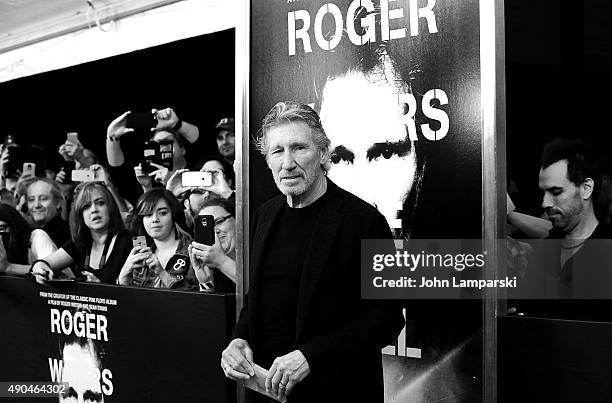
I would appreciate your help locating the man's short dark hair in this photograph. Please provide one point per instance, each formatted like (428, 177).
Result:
(581, 160)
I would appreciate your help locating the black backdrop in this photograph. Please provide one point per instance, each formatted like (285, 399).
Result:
(193, 76)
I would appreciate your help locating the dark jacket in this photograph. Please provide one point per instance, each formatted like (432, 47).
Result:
(339, 334)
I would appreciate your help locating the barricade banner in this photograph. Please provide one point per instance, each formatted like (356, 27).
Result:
(114, 344)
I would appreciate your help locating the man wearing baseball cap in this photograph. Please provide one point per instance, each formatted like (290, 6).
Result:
(225, 138)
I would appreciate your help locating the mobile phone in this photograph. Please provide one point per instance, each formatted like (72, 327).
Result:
(144, 120)
(82, 175)
(68, 167)
(205, 229)
(197, 178)
(29, 168)
(16, 157)
(72, 137)
(139, 241)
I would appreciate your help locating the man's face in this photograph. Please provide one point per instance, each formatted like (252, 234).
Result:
(372, 156)
(82, 374)
(42, 207)
(178, 152)
(294, 159)
(225, 143)
(562, 201)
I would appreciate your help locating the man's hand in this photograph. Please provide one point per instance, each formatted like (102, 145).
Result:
(286, 372)
(145, 180)
(117, 128)
(61, 176)
(237, 360)
(175, 184)
(160, 174)
(219, 184)
(166, 118)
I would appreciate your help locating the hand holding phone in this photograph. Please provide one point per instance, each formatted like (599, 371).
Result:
(145, 120)
(29, 169)
(68, 167)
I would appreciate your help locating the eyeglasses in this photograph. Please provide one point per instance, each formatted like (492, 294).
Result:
(221, 220)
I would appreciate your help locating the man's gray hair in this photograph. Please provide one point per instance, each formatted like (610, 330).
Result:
(286, 112)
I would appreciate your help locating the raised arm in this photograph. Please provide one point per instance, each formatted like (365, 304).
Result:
(114, 132)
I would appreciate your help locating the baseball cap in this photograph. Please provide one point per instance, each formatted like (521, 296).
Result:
(225, 124)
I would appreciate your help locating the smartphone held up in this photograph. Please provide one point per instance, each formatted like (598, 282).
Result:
(197, 179)
(204, 226)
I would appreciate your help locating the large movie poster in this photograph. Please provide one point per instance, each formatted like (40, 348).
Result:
(397, 86)
(113, 344)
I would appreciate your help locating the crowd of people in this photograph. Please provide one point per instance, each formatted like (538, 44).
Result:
(76, 220)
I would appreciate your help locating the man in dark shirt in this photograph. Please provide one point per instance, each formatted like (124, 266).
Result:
(574, 263)
(44, 200)
(303, 317)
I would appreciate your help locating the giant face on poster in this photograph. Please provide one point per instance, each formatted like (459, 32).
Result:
(397, 86)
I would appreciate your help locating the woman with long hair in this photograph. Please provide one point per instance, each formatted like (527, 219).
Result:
(164, 261)
(99, 243)
(22, 244)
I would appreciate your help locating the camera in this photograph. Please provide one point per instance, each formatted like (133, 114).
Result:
(82, 175)
(197, 179)
(157, 153)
